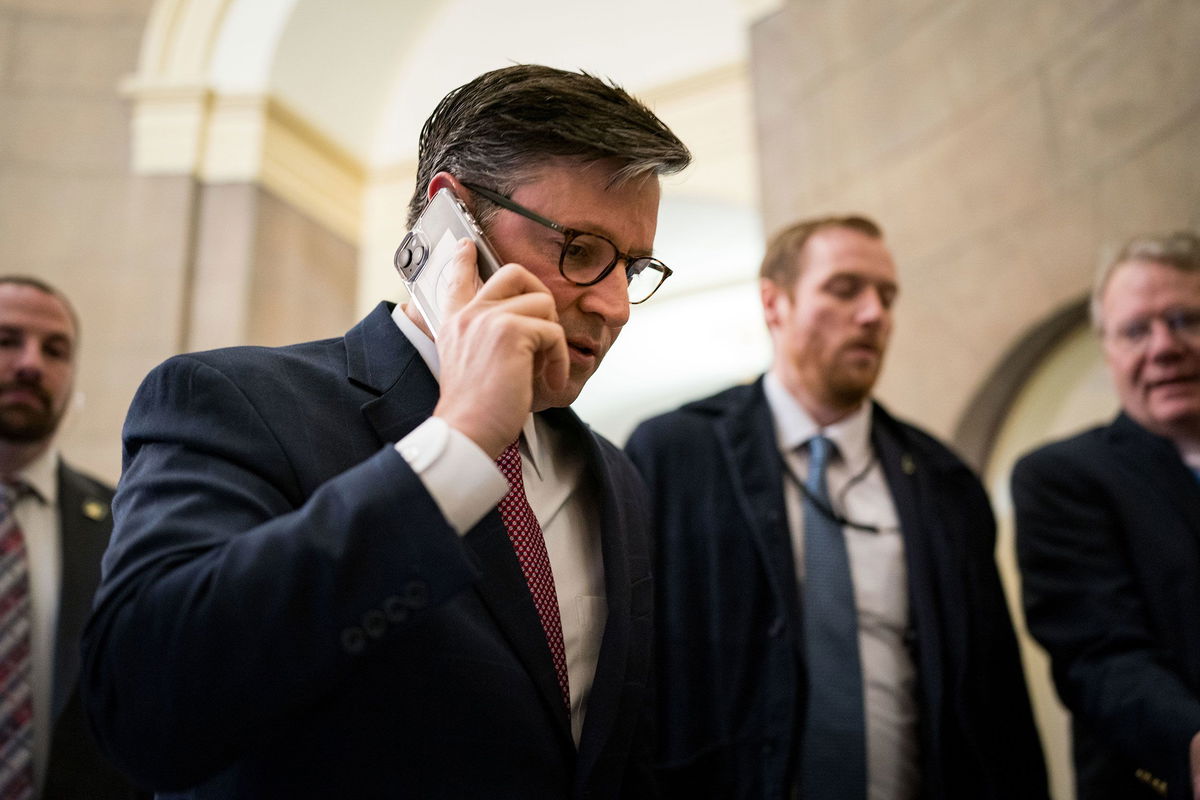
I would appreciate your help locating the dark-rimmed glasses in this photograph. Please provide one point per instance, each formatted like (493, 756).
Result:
(588, 258)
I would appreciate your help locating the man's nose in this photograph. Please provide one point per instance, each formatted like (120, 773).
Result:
(31, 361)
(1163, 340)
(871, 308)
(609, 298)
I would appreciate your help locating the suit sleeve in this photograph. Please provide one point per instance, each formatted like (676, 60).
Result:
(232, 596)
(1084, 606)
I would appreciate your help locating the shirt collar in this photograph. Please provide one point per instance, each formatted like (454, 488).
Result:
(40, 476)
(425, 346)
(794, 426)
(429, 354)
(533, 444)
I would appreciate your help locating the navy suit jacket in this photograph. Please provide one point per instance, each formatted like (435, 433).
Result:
(731, 686)
(76, 767)
(286, 613)
(1108, 536)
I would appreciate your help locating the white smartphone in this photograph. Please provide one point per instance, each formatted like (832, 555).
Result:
(426, 250)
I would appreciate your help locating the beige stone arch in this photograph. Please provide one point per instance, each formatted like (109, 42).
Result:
(208, 111)
(179, 39)
(1050, 384)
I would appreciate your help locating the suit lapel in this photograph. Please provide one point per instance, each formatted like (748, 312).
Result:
(85, 523)
(925, 547)
(1140, 454)
(505, 593)
(746, 432)
(612, 669)
(380, 359)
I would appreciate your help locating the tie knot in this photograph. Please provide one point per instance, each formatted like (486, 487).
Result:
(821, 450)
(11, 491)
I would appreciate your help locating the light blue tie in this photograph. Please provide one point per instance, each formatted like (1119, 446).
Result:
(833, 763)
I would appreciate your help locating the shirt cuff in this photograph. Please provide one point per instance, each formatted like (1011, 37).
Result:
(458, 475)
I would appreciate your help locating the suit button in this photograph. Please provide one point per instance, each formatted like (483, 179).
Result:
(395, 608)
(374, 623)
(354, 641)
(416, 594)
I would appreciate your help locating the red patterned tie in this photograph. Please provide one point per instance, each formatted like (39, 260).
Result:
(526, 536)
(16, 696)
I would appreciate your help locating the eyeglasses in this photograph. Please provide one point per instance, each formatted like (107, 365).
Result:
(588, 258)
(1183, 323)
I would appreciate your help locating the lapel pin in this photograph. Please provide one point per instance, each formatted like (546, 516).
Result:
(907, 464)
(95, 510)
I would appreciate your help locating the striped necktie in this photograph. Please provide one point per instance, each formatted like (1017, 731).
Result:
(834, 749)
(16, 691)
(527, 539)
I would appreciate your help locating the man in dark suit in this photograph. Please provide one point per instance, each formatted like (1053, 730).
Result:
(830, 619)
(1108, 538)
(50, 564)
(320, 582)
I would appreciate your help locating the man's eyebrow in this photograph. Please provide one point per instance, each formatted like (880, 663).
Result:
(8, 329)
(600, 230)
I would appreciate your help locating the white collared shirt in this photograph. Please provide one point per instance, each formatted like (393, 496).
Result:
(859, 492)
(466, 484)
(37, 513)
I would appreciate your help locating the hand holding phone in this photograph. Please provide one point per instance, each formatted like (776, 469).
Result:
(498, 342)
(494, 340)
(425, 253)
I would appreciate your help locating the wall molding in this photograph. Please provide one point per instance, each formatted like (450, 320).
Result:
(246, 138)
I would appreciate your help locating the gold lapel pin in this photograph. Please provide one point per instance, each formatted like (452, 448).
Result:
(907, 464)
(95, 510)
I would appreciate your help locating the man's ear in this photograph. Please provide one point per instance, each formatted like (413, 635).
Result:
(444, 180)
(775, 302)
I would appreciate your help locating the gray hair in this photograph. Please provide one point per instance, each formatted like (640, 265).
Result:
(498, 128)
(1180, 250)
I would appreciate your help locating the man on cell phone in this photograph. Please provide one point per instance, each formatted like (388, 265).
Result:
(393, 565)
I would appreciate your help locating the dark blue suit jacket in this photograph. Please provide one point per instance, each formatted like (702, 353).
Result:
(731, 685)
(76, 767)
(1108, 535)
(286, 613)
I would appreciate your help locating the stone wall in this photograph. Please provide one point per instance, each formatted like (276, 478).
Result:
(70, 213)
(155, 265)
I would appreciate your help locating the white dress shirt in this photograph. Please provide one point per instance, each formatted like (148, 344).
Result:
(859, 492)
(37, 513)
(466, 484)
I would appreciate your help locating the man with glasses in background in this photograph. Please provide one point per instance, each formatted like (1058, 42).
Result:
(394, 565)
(1108, 537)
(831, 624)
